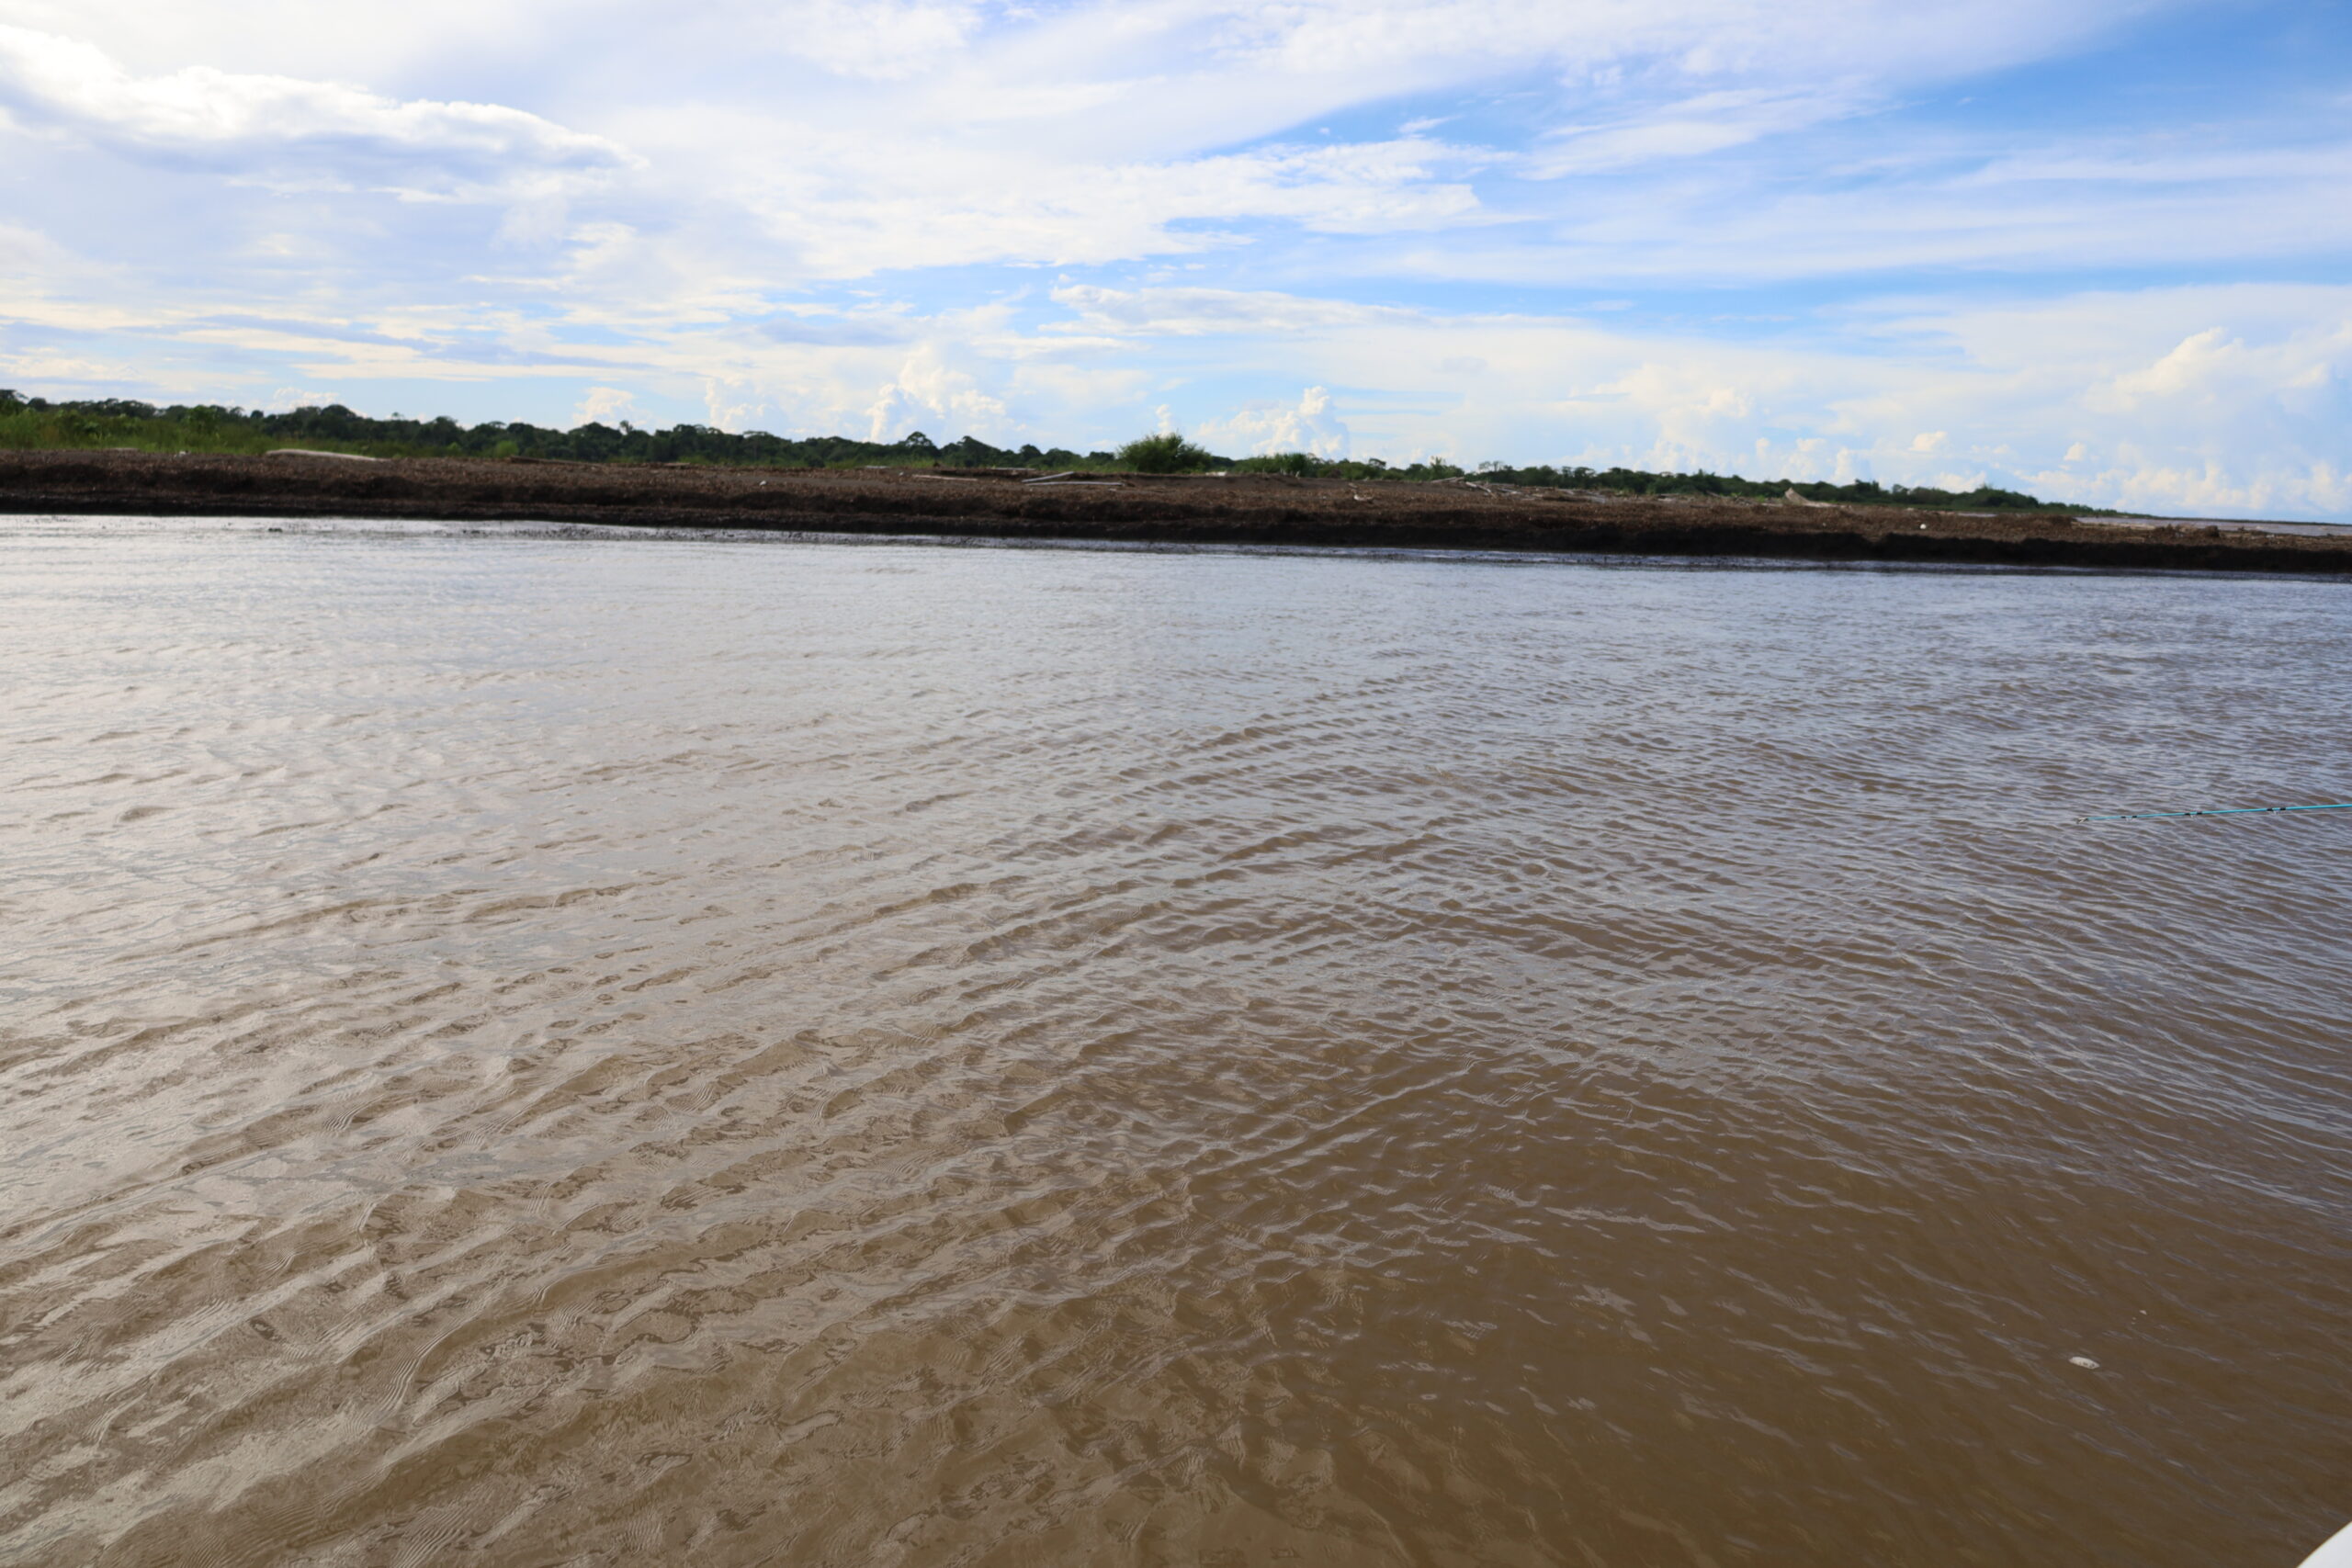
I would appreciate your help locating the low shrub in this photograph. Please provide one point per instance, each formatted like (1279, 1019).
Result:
(1165, 454)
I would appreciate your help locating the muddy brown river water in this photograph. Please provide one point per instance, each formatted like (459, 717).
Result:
(523, 1050)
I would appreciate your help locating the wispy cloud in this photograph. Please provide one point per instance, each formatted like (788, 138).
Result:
(251, 124)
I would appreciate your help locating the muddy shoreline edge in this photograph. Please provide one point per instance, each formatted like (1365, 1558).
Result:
(1128, 508)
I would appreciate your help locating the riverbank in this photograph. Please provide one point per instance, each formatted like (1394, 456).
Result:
(1189, 509)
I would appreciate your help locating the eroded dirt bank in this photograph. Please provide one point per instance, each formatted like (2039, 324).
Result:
(1265, 510)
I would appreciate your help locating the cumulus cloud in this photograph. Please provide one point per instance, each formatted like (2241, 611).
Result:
(605, 405)
(928, 389)
(1264, 427)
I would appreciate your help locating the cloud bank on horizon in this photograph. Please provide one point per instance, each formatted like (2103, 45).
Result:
(2094, 249)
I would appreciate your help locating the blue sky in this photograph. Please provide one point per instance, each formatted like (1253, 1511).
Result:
(2094, 249)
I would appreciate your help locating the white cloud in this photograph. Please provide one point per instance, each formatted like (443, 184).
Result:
(1689, 128)
(883, 39)
(848, 204)
(24, 250)
(928, 389)
(1693, 37)
(605, 405)
(1265, 427)
(241, 121)
(1860, 206)
(1197, 312)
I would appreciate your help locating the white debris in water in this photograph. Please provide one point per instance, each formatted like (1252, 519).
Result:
(2084, 1362)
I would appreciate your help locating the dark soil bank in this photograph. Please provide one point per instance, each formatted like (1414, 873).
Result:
(1255, 509)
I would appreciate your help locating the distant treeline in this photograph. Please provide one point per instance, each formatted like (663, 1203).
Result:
(36, 422)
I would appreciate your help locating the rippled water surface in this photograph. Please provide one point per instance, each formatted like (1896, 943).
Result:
(528, 1050)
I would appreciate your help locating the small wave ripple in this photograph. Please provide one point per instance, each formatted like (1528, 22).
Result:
(527, 1050)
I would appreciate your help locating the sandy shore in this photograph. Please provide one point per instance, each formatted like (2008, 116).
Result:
(1256, 509)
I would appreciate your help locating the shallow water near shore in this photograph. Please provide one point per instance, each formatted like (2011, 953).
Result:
(547, 1049)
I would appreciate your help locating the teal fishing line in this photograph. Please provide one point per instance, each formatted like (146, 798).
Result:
(2224, 811)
